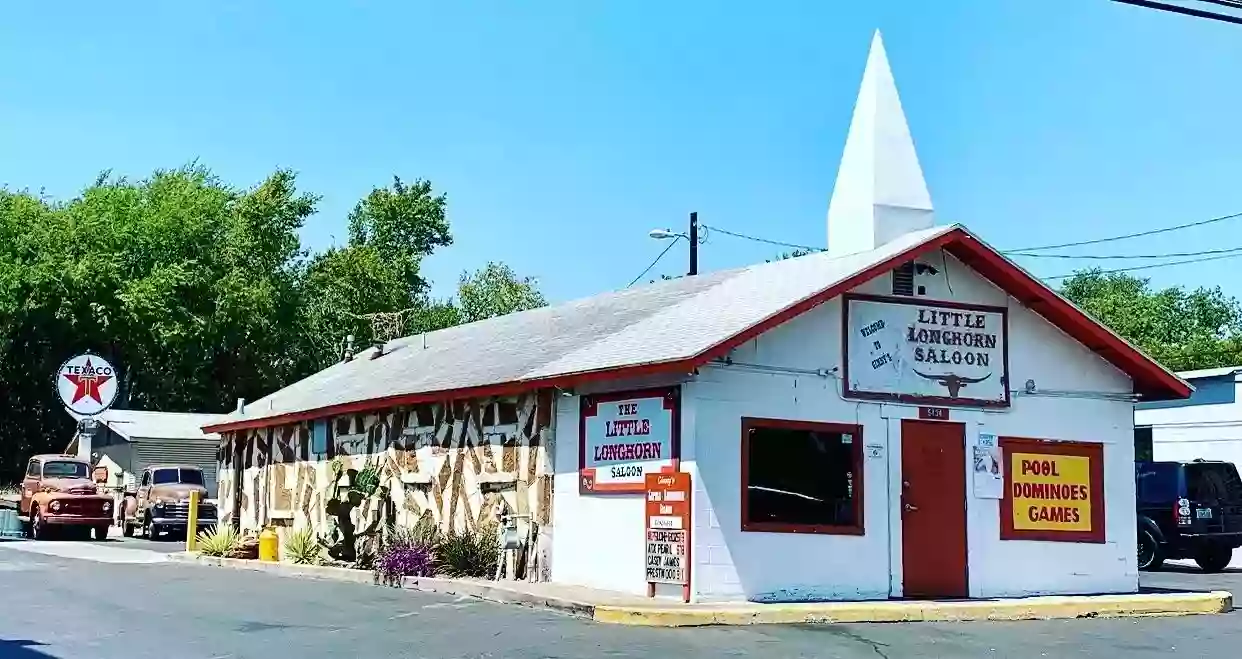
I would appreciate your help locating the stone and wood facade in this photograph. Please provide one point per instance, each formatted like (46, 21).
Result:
(461, 463)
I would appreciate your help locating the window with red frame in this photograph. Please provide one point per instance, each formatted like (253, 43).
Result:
(801, 477)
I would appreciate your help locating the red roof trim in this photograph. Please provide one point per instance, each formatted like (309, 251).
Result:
(501, 389)
(1150, 379)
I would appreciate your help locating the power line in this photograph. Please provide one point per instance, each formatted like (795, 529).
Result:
(1098, 257)
(1042, 247)
(1191, 11)
(1127, 236)
(653, 263)
(1154, 265)
(764, 240)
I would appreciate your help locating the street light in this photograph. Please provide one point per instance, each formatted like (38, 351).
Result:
(699, 236)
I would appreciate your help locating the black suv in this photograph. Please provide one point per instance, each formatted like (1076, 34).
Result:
(1188, 510)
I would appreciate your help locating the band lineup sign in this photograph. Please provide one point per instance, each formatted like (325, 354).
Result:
(915, 351)
(1054, 491)
(625, 436)
(668, 529)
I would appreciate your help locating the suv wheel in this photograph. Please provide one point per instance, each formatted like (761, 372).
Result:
(1150, 557)
(1214, 558)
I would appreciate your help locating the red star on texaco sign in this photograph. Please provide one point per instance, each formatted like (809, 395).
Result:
(87, 383)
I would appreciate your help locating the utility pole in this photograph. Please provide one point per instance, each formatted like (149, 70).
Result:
(694, 243)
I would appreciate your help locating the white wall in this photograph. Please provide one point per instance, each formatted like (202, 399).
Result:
(1211, 432)
(599, 540)
(730, 564)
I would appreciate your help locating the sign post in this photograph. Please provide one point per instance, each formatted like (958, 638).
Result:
(668, 531)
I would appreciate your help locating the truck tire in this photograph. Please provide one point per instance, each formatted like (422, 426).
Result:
(1214, 558)
(101, 532)
(38, 529)
(1150, 556)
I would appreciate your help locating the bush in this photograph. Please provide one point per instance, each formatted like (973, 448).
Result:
(302, 548)
(220, 541)
(425, 533)
(468, 554)
(395, 563)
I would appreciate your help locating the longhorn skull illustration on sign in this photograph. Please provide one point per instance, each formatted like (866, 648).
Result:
(954, 383)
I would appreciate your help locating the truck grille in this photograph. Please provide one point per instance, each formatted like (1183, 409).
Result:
(88, 508)
(181, 510)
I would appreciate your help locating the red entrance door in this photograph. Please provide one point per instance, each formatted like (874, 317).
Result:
(933, 509)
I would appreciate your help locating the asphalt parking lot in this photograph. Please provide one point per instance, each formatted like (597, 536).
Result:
(1185, 575)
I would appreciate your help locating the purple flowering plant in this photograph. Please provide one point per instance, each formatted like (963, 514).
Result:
(399, 561)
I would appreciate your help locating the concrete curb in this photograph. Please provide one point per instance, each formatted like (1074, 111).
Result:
(496, 592)
(322, 572)
(1028, 608)
(1031, 608)
(462, 587)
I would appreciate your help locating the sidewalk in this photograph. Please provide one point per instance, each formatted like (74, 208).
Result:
(620, 608)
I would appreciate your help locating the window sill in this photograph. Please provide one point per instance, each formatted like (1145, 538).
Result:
(805, 529)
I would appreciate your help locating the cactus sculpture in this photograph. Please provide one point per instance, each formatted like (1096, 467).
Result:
(343, 541)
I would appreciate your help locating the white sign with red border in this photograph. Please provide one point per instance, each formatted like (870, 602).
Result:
(87, 384)
(625, 436)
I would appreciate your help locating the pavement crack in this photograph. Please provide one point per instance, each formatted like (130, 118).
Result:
(858, 638)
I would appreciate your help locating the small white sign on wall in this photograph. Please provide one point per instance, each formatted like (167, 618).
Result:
(989, 478)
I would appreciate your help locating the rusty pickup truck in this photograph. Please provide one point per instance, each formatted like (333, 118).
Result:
(161, 503)
(59, 494)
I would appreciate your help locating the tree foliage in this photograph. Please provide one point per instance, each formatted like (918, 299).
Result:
(201, 292)
(1200, 328)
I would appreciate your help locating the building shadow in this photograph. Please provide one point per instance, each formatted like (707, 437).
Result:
(22, 649)
(1186, 569)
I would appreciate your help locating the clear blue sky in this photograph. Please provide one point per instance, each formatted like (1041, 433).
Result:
(562, 130)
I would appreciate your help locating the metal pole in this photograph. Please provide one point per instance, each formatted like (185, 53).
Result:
(191, 523)
(694, 243)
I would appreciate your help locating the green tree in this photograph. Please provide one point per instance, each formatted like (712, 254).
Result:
(496, 290)
(201, 293)
(1200, 328)
(186, 284)
(391, 231)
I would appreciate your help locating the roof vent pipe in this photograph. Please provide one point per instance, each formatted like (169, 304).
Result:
(349, 348)
(241, 405)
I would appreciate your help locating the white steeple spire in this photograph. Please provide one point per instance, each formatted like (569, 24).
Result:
(880, 193)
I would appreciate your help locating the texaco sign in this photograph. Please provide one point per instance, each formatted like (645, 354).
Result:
(87, 384)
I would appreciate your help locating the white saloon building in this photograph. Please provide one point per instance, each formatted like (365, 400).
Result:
(908, 414)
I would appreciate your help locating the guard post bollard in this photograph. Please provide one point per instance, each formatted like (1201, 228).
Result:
(191, 524)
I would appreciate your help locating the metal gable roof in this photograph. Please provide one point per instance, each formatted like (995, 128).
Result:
(138, 424)
(669, 326)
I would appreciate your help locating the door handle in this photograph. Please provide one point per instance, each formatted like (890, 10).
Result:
(909, 508)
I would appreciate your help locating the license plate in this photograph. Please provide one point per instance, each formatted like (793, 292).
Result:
(1203, 513)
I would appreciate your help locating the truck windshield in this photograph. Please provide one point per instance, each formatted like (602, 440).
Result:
(171, 476)
(64, 469)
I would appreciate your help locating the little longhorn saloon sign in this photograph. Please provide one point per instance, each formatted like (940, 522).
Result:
(926, 352)
(87, 384)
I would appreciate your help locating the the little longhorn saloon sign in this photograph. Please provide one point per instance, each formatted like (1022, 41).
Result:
(925, 351)
(87, 384)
